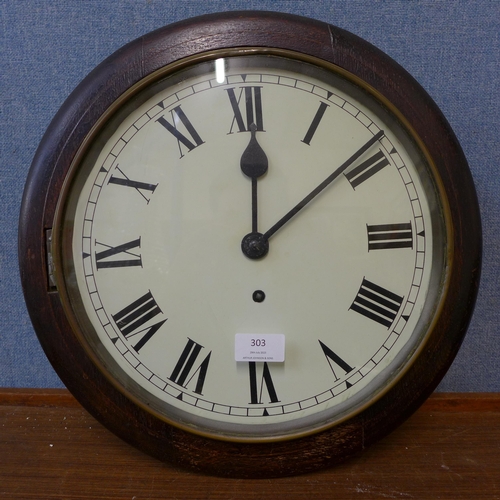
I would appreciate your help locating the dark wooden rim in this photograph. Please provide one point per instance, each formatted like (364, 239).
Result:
(50, 166)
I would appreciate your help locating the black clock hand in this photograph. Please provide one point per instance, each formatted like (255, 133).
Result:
(323, 185)
(254, 164)
(255, 245)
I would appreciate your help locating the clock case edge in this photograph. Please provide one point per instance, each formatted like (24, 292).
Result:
(73, 122)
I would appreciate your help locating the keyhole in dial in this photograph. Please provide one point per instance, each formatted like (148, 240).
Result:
(258, 296)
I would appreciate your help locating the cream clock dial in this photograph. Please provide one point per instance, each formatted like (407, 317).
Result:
(250, 244)
(184, 231)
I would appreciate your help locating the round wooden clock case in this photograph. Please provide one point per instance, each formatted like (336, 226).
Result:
(256, 183)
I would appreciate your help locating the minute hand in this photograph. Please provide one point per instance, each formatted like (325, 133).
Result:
(322, 186)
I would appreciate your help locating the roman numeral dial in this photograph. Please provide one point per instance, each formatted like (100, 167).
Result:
(336, 259)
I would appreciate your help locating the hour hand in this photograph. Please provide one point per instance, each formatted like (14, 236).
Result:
(254, 164)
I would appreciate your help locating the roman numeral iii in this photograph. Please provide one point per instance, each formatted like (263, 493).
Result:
(377, 303)
(384, 236)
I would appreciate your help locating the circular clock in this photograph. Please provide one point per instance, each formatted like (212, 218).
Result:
(250, 244)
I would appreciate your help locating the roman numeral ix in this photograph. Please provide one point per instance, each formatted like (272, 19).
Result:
(103, 260)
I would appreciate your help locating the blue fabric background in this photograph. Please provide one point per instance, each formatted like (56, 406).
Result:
(451, 47)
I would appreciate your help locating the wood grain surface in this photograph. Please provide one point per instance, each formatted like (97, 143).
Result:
(51, 448)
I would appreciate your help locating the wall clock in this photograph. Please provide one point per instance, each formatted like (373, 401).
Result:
(250, 244)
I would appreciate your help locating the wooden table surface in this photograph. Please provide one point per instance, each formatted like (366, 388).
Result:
(51, 448)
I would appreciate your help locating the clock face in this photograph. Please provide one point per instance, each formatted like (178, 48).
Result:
(253, 246)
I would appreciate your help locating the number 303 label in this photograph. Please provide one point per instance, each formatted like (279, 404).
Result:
(264, 347)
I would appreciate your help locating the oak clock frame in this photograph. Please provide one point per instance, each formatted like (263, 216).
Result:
(96, 94)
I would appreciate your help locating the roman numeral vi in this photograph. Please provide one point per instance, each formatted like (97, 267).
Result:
(255, 390)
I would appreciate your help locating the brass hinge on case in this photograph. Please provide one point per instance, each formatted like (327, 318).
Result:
(50, 262)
